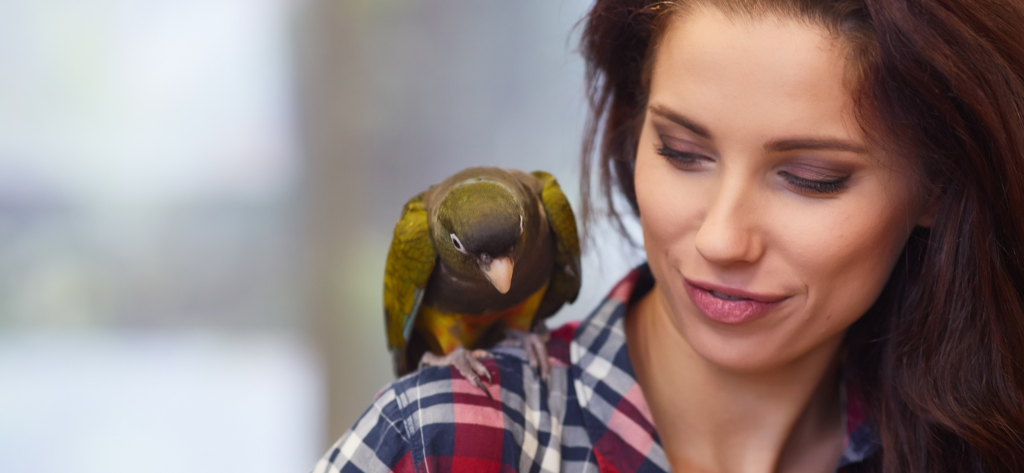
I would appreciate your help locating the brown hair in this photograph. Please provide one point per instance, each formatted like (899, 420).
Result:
(940, 355)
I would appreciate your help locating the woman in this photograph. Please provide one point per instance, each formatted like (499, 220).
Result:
(828, 192)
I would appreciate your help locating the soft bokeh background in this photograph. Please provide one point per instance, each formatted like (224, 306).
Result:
(196, 199)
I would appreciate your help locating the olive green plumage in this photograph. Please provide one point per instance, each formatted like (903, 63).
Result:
(453, 244)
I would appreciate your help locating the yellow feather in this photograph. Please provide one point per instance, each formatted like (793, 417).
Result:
(410, 261)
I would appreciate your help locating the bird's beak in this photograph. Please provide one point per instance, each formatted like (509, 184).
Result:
(499, 273)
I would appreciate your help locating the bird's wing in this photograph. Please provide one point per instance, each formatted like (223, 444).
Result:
(565, 280)
(410, 261)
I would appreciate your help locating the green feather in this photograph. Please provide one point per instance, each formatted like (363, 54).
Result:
(565, 281)
(410, 261)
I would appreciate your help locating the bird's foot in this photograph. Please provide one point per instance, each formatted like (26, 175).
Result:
(466, 361)
(534, 343)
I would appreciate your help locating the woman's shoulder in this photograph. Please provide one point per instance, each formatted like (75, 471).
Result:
(435, 416)
(511, 375)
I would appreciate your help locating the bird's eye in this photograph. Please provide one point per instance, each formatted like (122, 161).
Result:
(457, 243)
(520, 224)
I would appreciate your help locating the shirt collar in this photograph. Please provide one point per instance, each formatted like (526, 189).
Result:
(615, 412)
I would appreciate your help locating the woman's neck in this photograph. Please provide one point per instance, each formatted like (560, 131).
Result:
(712, 419)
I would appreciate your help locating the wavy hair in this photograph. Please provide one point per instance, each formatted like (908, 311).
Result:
(940, 355)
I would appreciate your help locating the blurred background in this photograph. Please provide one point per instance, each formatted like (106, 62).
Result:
(197, 197)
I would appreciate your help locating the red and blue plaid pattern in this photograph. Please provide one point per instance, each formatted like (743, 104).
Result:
(591, 417)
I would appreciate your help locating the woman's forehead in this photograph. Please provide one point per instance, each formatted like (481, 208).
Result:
(753, 77)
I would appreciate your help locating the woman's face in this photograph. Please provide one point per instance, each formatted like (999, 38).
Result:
(768, 223)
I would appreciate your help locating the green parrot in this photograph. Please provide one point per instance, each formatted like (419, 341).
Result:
(479, 259)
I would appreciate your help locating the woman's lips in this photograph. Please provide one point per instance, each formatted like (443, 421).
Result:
(730, 305)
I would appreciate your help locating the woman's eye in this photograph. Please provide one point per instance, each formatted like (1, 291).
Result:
(682, 158)
(827, 186)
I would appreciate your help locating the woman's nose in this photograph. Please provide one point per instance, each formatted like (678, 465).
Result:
(728, 234)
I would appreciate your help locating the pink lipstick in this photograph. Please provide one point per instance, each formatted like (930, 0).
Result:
(730, 305)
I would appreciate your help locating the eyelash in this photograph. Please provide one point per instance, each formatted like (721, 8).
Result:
(818, 187)
(680, 157)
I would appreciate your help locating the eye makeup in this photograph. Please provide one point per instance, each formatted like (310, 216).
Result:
(812, 185)
(681, 153)
(814, 177)
(680, 158)
(807, 176)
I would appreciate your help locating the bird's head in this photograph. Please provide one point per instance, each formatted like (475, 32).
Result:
(481, 230)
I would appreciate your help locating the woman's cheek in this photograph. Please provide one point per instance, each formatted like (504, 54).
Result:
(656, 210)
(845, 253)
(669, 200)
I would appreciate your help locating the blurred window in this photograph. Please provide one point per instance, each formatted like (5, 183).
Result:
(148, 310)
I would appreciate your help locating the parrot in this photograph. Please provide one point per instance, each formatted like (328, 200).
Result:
(478, 260)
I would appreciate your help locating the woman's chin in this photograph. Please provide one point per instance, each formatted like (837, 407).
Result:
(747, 348)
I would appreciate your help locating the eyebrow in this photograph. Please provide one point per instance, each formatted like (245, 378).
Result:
(773, 146)
(681, 120)
(778, 146)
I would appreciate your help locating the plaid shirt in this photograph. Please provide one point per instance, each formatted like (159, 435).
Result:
(591, 417)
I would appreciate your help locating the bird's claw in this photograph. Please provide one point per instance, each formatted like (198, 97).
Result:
(466, 362)
(534, 343)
